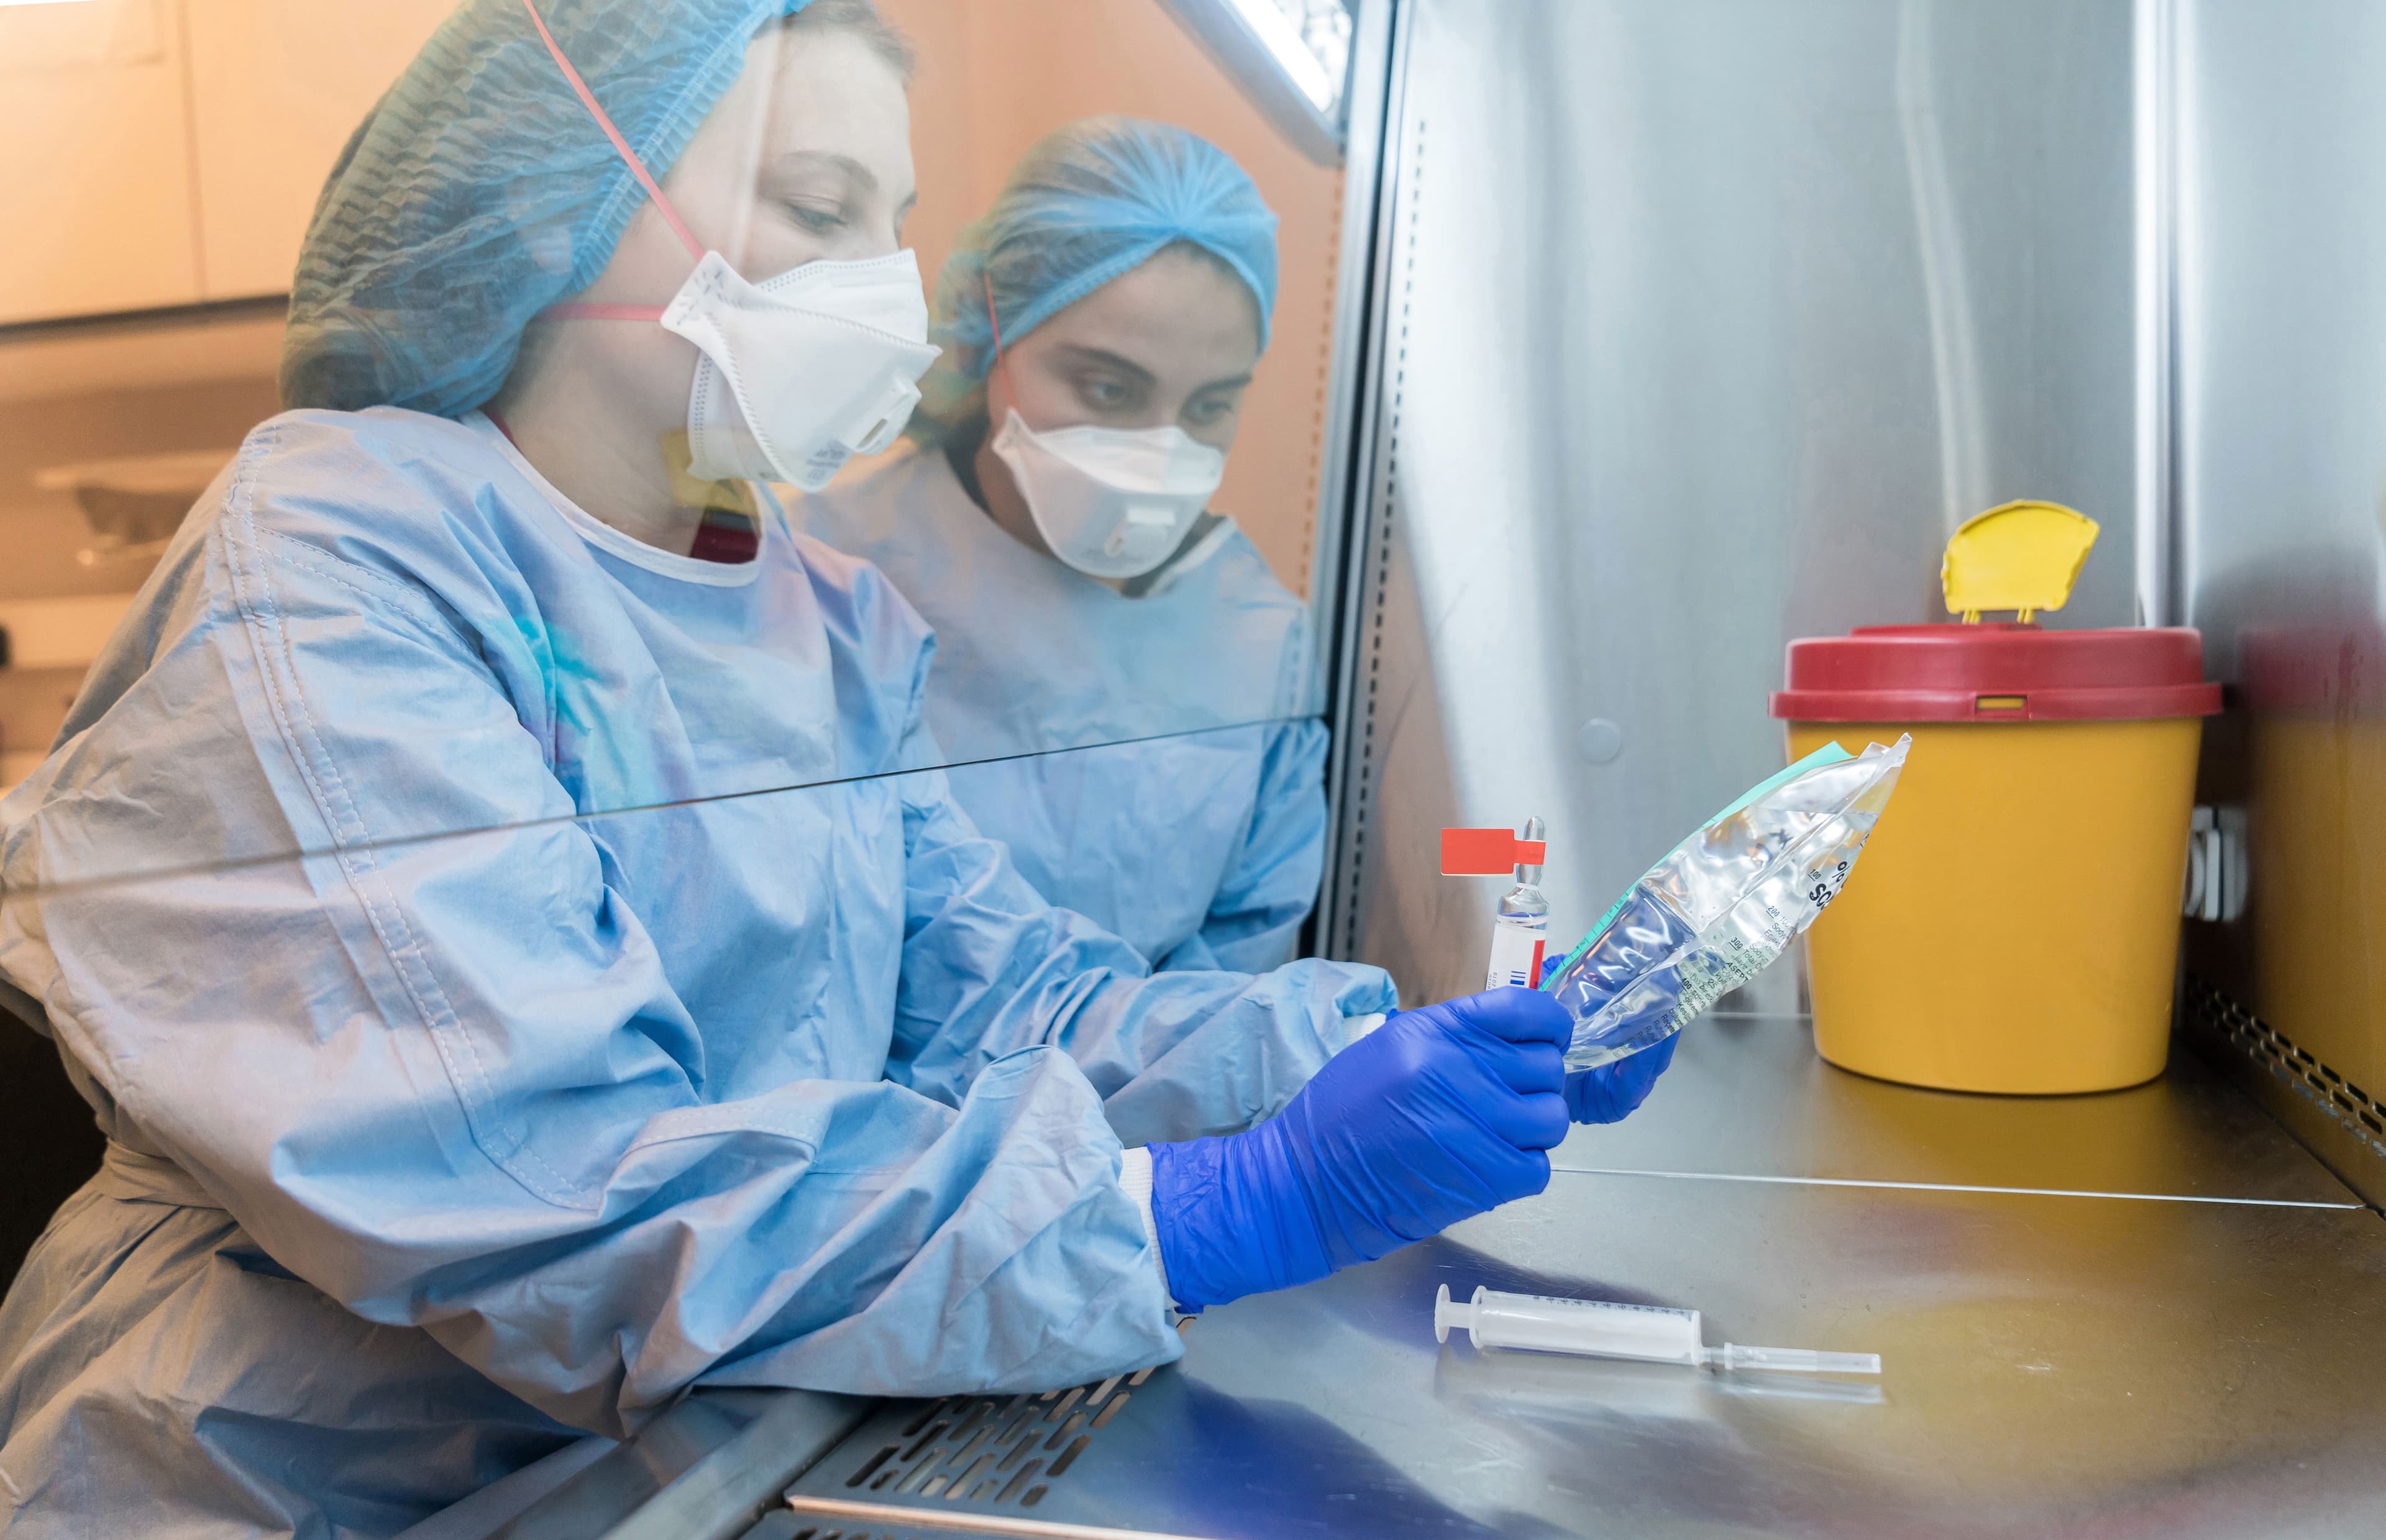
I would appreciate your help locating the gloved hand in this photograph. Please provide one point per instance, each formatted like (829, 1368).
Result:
(1611, 1092)
(1437, 1115)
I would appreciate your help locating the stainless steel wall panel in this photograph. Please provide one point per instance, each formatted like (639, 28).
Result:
(1706, 320)
(2282, 316)
(2282, 336)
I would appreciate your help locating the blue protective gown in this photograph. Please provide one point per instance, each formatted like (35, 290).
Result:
(429, 1151)
(1204, 846)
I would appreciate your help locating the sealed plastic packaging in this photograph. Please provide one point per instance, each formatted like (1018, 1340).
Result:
(1724, 903)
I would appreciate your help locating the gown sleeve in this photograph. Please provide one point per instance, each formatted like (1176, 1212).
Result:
(1255, 916)
(989, 969)
(447, 1081)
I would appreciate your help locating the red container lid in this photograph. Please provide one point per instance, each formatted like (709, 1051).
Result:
(2000, 673)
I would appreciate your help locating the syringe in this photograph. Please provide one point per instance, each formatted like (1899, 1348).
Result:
(1599, 1328)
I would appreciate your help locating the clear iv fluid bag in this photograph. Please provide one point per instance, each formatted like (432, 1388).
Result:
(1727, 902)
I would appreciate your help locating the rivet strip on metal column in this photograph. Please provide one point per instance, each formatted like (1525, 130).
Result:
(1368, 678)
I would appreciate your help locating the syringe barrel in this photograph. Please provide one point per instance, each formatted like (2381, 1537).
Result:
(1599, 1328)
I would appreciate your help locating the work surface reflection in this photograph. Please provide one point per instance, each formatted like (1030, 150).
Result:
(2149, 1310)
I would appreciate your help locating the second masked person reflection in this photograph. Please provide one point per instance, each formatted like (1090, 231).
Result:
(1099, 324)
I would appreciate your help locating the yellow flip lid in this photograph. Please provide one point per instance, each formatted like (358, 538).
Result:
(2023, 556)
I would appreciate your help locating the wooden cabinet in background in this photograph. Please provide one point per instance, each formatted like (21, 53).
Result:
(277, 88)
(164, 152)
(95, 185)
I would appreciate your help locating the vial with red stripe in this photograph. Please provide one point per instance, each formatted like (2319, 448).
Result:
(1520, 930)
(1520, 927)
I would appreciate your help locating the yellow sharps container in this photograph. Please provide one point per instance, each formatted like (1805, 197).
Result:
(2013, 924)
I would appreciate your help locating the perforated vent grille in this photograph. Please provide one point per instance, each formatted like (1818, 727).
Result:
(2353, 1109)
(990, 1449)
(810, 1530)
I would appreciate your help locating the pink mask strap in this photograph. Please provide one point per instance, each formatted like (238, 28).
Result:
(582, 310)
(995, 325)
(637, 169)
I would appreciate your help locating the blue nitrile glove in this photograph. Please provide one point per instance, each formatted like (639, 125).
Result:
(1609, 1092)
(1437, 1115)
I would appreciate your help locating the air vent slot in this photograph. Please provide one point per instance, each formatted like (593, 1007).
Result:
(992, 1450)
(2342, 1122)
(800, 1526)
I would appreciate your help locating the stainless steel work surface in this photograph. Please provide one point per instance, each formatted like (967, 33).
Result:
(2053, 1366)
(1749, 1096)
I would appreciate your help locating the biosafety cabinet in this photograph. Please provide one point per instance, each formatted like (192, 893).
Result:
(1637, 339)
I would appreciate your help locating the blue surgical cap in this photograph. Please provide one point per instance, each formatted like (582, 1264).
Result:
(1088, 203)
(480, 191)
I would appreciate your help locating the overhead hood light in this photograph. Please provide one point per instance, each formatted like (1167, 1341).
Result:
(1275, 32)
(1288, 58)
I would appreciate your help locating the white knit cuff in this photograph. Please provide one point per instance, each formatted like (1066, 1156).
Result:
(1362, 1025)
(1134, 1180)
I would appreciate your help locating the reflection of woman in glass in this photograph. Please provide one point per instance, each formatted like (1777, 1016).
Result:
(1101, 323)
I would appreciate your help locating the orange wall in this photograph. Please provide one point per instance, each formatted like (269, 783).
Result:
(996, 75)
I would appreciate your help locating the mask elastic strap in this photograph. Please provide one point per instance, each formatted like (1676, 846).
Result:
(637, 169)
(1000, 361)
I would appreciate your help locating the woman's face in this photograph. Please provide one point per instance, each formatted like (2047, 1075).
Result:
(807, 155)
(1172, 342)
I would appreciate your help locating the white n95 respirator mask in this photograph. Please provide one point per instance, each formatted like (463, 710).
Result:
(802, 372)
(1110, 502)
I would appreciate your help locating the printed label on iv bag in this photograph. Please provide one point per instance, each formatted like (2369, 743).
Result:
(1518, 946)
